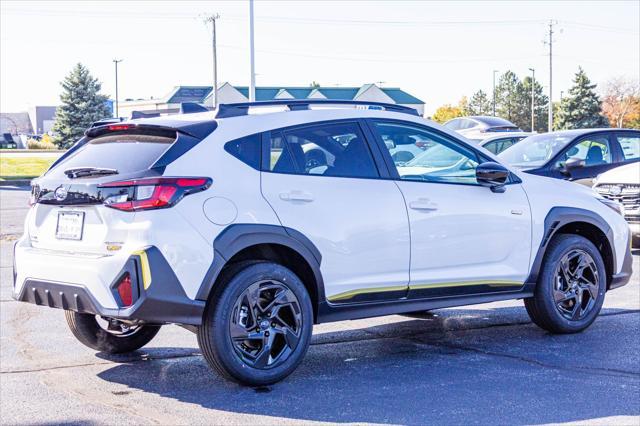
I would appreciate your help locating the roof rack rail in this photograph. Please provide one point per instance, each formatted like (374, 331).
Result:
(191, 107)
(142, 114)
(240, 109)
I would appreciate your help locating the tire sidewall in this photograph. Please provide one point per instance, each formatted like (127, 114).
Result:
(544, 290)
(219, 316)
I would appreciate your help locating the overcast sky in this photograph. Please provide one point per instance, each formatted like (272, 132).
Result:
(436, 51)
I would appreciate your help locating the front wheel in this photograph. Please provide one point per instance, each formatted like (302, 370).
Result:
(571, 286)
(256, 329)
(113, 337)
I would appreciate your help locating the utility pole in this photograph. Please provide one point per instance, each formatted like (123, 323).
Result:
(533, 97)
(214, 93)
(116, 61)
(550, 42)
(494, 92)
(252, 85)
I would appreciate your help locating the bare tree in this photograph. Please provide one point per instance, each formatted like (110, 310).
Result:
(619, 98)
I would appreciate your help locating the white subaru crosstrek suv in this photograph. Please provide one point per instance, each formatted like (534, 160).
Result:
(222, 223)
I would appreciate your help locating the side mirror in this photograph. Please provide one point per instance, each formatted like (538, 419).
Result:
(573, 163)
(493, 175)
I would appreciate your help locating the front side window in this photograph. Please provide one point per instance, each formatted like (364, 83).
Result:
(441, 160)
(337, 149)
(630, 145)
(593, 150)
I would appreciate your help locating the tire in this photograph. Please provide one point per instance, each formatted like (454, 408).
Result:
(247, 344)
(554, 306)
(87, 330)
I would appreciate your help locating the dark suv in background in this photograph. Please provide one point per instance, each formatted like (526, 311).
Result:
(576, 155)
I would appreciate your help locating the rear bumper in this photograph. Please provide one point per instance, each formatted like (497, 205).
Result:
(160, 298)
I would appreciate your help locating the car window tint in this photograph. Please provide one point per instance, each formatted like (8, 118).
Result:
(338, 150)
(246, 149)
(438, 159)
(593, 150)
(630, 145)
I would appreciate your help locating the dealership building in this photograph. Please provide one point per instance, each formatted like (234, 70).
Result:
(228, 93)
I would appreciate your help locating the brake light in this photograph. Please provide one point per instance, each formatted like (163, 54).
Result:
(153, 193)
(120, 127)
(125, 290)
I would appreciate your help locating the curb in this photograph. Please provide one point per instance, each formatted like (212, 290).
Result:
(16, 182)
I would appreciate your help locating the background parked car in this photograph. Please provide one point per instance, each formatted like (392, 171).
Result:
(622, 184)
(501, 141)
(479, 127)
(7, 142)
(576, 155)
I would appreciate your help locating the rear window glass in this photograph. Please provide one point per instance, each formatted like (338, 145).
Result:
(125, 153)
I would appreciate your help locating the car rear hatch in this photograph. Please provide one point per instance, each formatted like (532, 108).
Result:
(73, 202)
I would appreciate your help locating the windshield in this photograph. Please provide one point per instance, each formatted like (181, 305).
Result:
(124, 153)
(535, 151)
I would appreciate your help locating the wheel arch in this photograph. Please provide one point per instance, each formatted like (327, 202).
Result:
(286, 246)
(575, 221)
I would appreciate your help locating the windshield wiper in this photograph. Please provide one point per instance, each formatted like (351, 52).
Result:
(89, 171)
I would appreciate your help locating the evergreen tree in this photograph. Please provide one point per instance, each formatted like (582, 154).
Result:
(480, 104)
(82, 104)
(508, 103)
(581, 108)
(541, 107)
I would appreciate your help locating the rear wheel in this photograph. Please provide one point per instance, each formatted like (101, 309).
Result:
(109, 336)
(571, 286)
(256, 329)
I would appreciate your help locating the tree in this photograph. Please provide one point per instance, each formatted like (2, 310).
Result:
(541, 106)
(581, 108)
(448, 112)
(508, 104)
(82, 104)
(621, 101)
(480, 104)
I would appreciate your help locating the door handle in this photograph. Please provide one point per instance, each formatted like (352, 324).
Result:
(296, 196)
(423, 204)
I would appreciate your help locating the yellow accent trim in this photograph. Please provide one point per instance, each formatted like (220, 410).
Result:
(146, 271)
(491, 283)
(351, 293)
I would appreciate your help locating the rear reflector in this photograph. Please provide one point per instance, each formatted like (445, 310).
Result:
(125, 291)
(153, 193)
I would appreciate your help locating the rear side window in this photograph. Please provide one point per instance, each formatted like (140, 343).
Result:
(126, 153)
(246, 149)
(338, 150)
(630, 145)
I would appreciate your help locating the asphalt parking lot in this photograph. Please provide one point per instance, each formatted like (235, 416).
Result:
(484, 364)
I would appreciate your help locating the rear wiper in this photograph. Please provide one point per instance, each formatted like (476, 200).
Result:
(88, 171)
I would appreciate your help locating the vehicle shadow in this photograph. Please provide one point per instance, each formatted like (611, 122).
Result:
(459, 366)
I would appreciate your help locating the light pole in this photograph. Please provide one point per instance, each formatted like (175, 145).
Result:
(494, 92)
(533, 102)
(252, 85)
(116, 61)
(214, 92)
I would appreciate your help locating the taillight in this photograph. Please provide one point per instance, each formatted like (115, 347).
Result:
(125, 291)
(153, 193)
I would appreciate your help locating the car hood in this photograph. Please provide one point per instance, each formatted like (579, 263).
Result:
(628, 174)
